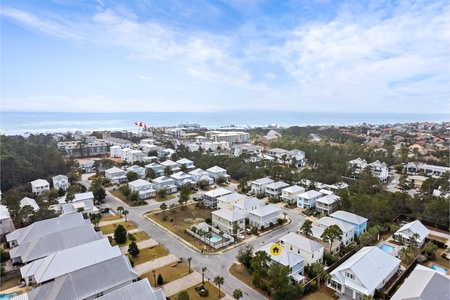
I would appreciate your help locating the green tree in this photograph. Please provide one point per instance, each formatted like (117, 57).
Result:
(279, 277)
(70, 197)
(183, 295)
(331, 233)
(218, 280)
(162, 192)
(99, 194)
(120, 209)
(245, 256)
(163, 207)
(125, 213)
(237, 294)
(259, 265)
(133, 196)
(221, 180)
(306, 228)
(133, 249)
(120, 234)
(430, 249)
(160, 280)
(167, 171)
(317, 270)
(132, 176)
(150, 173)
(95, 221)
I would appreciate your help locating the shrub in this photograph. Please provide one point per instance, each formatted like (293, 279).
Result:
(120, 234)
(194, 229)
(280, 221)
(160, 280)
(208, 221)
(260, 195)
(264, 286)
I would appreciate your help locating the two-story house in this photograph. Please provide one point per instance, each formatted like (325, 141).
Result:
(199, 174)
(328, 204)
(138, 170)
(115, 151)
(39, 186)
(210, 197)
(143, 187)
(87, 166)
(310, 250)
(359, 222)
(348, 230)
(273, 190)
(6, 224)
(116, 175)
(230, 222)
(263, 216)
(414, 231)
(28, 201)
(60, 182)
(259, 185)
(308, 199)
(227, 201)
(157, 168)
(166, 183)
(216, 172)
(289, 194)
(186, 162)
(174, 167)
(245, 206)
(181, 178)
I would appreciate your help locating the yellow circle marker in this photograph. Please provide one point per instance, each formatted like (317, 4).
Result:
(275, 249)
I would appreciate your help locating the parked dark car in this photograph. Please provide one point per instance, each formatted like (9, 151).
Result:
(104, 210)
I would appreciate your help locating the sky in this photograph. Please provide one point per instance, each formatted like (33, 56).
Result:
(199, 56)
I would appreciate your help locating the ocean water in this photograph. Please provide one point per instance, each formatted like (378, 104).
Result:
(12, 123)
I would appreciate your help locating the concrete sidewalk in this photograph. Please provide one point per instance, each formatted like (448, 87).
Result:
(141, 245)
(182, 283)
(155, 264)
(111, 222)
(129, 231)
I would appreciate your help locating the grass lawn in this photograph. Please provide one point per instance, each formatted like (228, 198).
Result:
(241, 273)
(437, 238)
(148, 254)
(140, 236)
(119, 195)
(4, 285)
(193, 295)
(440, 260)
(181, 222)
(165, 198)
(110, 218)
(107, 229)
(169, 273)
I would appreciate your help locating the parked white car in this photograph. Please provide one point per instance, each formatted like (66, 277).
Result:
(240, 236)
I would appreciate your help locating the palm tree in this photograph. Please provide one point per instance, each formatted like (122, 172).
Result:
(203, 274)
(189, 262)
(154, 276)
(163, 207)
(218, 280)
(430, 249)
(414, 239)
(120, 209)
(306, 228)
(125, 213)
(237, 294)
(95, 221)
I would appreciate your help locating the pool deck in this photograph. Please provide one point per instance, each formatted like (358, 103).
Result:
(429, 264)
(396, 250)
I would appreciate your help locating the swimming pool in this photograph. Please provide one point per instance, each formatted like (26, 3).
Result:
(387, 248)
(439, 269)
(214, 238)
(8, 296)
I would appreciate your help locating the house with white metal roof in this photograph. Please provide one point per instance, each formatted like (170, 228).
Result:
(60, 182)
(289, 194)
(44, 227)
(157, 168)
(6, 224)
(39, 186)
(85, 206)
(227, 201)
(143, 187)
(348, 230)
(188, 163)
(359, 222)
(310, 250)
(367, 270)
(87, 166)
(116, 175)
(327, 204)
(245, 206)
(174, 167)
(30, 202)
(308, 199)
(199, 174)
(45, 245)
(181, 178)
(273, 190)
(228, 221)
(264, 216)
(210, 197)
(413, 231)
(138, 170)
(424, 284)
(140, 290)
(68, 260)
(216, 172)
(166, 183)
(259, 185)
(316, 233)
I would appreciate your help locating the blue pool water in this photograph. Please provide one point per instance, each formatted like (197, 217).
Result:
(214, 238)
(8, 296)
(439, 269)
(386, 248)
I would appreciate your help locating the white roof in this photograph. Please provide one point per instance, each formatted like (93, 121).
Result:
(114, 170)
(265, 210)
(216, 169)
(349, 217)
(328, 199)
(310, 194)
(70, 260)
(28, 201)
(140, 290)
(327, 222)
(294, 189)
(169, 163)
(181, 175)
(277, 185)
(39, 182)
(184, 161)
(70, 208)
(59, 177)
(262, 181)
(424, 284)
(83, 196)
(231, 197)
(409, 229)
(286, 258)
(4, 213)
(198, 171)
(217, 192)
(248, 203)
(163, 179)
(136, 169)
(370, 265)
(228, 215)
(301, 242)
(44, 227)
(139, 183)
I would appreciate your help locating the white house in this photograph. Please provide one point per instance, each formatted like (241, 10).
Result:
(424, 284)
(188, 163)
(308, 199)
(143, 187)
(273, 190)
(210, 197)
(264, 216)
(367, 270)
(84, 206)
(181, 178)
(413, 230)
(39, 186)
(253, 150)
(166, 183)
(227, 201)
(115, 151)
(87, 166)
(332, 248)
(31, 202)
(327, 204)
(216, 172)
(174, 167)
(135, 156)
(293, 261)
(60, 182)
(116, 175)
(245, 206)
(138, 170)
(230, 222)
(310, 250)
(348, 230)
(6, 225)
(289, 194)
(199, 174)
(157, 168)
(259, 185)
(378, 169)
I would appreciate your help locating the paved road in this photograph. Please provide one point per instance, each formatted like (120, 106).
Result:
(216, 264)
